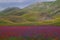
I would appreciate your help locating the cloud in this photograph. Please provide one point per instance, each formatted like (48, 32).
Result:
(44, 0)
(22, 0)
(50, 0)
(18, 3)
(12, 1)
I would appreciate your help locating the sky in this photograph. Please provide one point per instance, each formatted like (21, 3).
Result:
(18, 3)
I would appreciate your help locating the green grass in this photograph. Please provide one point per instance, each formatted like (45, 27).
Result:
(31, 38)
(51, 22)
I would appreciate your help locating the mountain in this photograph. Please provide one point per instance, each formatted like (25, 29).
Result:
(38, 13)
(44, 10)
(9, 10)
(12, 11)
(48, 12)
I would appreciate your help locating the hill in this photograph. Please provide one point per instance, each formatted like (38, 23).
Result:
(39, 13)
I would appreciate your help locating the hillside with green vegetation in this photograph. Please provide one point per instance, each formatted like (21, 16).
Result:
(39, 13)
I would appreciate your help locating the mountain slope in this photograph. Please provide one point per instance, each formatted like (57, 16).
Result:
(44, 13)
(44, 9)
(12, 11)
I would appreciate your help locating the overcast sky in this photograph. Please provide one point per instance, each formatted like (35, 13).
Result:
(22, 0)
(18, 3)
